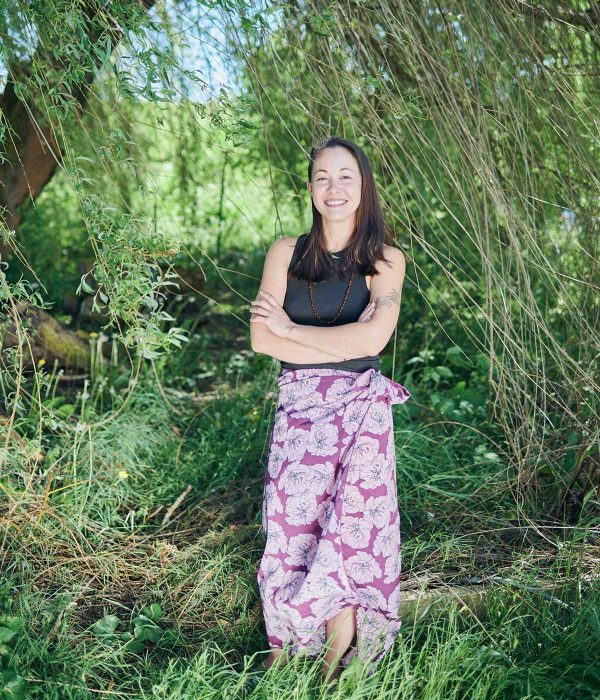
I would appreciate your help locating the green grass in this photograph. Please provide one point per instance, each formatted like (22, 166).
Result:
(108, 597)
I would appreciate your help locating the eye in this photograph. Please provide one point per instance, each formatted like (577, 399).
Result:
(348, 176)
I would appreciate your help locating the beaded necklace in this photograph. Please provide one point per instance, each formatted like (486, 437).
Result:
(312, 300)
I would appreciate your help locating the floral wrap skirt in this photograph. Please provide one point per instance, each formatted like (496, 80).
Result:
(330, 512)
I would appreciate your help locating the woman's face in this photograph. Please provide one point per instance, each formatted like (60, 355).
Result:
(335, 185)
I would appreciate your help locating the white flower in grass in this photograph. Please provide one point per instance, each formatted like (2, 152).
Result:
(270, 573)
(323, 439)
(387, 540)
(276, 540)
(276, 459)
(371, 597)
(353, 415)
(296, 479)
(374, 473)
(301, 510)
(354, 501)
(362, 567)
(301, 549)
(356, 532)
(272, 501)
(295, 444)
(378, 511)
(392, 568)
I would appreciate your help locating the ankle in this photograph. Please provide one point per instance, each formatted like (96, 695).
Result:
(277, 659)
(332, 671)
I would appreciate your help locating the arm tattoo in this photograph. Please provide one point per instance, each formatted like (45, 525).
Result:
(389, 299)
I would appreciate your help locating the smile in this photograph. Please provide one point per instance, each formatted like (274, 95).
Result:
(336, 202)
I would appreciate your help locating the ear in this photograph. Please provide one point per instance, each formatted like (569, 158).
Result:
(308, 186)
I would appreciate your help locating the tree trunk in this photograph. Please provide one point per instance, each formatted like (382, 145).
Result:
(31, 152)
(50, 341)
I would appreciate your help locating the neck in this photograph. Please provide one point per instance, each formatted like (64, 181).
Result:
(337, 234)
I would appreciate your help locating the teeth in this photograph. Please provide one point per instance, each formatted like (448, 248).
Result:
(336, 201)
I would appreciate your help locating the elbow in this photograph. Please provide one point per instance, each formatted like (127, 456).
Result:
(254, 345)
(256, 340)
(376, 346)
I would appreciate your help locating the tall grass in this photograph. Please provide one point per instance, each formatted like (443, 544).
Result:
(119, 594)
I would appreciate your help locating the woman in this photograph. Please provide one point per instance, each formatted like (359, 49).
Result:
(330, 571)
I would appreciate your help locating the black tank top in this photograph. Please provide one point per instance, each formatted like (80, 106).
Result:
(328, 296)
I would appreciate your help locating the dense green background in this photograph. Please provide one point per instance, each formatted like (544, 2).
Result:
(131, 486)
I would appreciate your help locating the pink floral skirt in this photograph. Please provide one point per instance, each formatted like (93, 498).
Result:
(330, 512)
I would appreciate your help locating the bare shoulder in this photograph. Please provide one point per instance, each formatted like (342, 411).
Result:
(395, 259)
(279, 255)
(283, 246)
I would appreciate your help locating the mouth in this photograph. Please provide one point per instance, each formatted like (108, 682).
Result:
(335, 202)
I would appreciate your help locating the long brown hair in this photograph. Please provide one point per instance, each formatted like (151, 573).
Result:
(370, 233)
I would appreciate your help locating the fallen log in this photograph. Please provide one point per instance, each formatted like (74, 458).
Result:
(49, 341)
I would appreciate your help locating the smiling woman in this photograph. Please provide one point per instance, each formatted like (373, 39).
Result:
(331, 565)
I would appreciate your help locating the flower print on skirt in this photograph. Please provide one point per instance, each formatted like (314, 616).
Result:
(330, 512)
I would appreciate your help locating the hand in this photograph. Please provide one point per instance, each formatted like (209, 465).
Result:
(367, 313)
(266, 309)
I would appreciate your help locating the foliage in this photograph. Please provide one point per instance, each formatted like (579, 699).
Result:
(130, 495)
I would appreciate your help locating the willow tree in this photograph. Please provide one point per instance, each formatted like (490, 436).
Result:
(483, 122)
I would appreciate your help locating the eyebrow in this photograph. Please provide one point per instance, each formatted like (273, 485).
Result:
(320, 170)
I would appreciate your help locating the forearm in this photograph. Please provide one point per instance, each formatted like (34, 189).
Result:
(267, 343)
(350, 340)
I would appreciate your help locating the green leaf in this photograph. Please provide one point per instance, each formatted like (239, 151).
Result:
(85, 286)
(153, 612)
(135, 646)
(6, 634)
(107, 625)
(65, 411)
(13, 686)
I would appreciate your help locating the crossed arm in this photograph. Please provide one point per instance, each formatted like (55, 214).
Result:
(301, 343)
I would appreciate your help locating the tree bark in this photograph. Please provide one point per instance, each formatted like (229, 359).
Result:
(50, 340)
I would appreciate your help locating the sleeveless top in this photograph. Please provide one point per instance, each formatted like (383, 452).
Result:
(328, 296)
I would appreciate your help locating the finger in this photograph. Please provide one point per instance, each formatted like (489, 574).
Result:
(270, 298)
(264, 302)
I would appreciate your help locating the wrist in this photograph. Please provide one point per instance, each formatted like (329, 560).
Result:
(292, 330)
